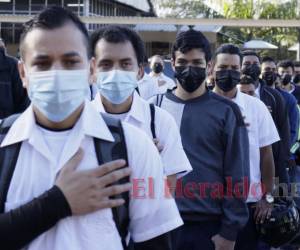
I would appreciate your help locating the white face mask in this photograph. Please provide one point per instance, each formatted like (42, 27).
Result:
(117, 85)
(58, 93)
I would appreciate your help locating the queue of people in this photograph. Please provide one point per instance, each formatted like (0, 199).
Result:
(96, 154)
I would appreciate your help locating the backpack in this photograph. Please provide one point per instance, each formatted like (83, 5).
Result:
(105, 152)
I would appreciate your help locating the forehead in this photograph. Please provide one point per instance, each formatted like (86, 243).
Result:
(250, 59)
(268, 64)
(229, 59)
(285, 69)
(191, 54)
(54, 42)
(114, 51)
(156, 59)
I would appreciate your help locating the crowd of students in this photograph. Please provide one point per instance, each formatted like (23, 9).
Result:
(106, 156)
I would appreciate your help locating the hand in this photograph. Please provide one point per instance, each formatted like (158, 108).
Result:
(161, 82)
(222, 244)
(88, 191)
(158, 146)
(263, 211)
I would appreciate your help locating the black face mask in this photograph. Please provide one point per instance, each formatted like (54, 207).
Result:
(190, 78)
(296, 78)
(157, 68)
(286, 79)
(252, 70)
(269, 77)
(227, 80)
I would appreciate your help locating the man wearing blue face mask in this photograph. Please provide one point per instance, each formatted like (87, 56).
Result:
(215, 140)
(117, 65)
(60, 188)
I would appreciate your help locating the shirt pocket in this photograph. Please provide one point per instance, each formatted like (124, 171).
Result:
(6, 100)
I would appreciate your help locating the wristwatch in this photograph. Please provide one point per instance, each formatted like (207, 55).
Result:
(269, 198)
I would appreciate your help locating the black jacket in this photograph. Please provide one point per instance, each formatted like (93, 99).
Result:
(13, 97)
(278, 108)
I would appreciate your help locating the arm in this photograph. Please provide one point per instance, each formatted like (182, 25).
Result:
(236, 168)
(267, 168)
(20, 226)
(294, 120)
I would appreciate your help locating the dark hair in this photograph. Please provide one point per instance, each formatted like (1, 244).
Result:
(246, 80)
(191, 39)
(267, 59)
(52, 18)
(119, 34)
(286, 64)
(250, 53)
(229, 49)
(296, 63)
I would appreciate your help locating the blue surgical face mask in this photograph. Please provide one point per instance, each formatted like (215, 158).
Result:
(117, 85)
(58, 93)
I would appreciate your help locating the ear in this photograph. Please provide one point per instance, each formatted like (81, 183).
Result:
(22, 73)
(141, 73)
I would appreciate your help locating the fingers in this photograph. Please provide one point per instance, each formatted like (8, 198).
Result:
(106, 168)
(113, 177)
(115, 190)
(72, 164)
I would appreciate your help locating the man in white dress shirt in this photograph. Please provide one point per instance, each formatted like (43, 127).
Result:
(157, 67)
(59, 124)
(117, 66)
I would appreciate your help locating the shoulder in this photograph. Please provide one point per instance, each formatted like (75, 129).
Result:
(230, 106)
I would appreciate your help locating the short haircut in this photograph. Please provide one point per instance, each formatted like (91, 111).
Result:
(246, 80)
(191, 39)
(251, 53)
(267, 59)
(286, 64)
(296, 63)
(229, 49)
(52, 18)
(118, 34)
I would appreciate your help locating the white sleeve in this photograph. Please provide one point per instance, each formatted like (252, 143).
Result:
(268, 131)
(152, 212)
(173, 156)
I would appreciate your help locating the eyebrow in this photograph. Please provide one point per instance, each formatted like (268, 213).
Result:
(71, 54)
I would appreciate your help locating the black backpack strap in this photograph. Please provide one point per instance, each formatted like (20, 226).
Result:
(8, 159)
(159, 99)
(106, 152)
(152, 123)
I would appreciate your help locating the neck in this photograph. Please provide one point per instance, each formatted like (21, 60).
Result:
(287, 87)
(230, 94)
(256, 83)
(156, 74)
(117, 108)
(66, 124)
(184, 95)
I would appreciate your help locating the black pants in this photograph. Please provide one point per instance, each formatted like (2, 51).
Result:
(247, 238)
(195, 235)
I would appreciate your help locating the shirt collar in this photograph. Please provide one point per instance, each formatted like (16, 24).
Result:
(91, 123)
(136, 111)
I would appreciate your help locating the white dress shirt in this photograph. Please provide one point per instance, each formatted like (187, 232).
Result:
(147, 87)
(169, 83)
(262, 132)
(173, 156)
(41, 157)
